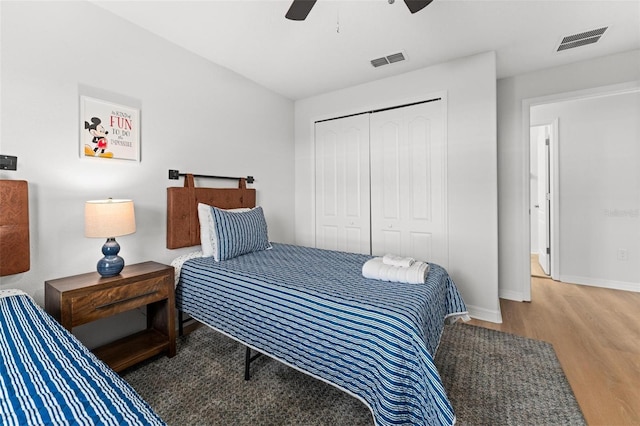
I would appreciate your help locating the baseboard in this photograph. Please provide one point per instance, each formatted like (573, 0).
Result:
(484, 314)
(595, 282)
(516, 296)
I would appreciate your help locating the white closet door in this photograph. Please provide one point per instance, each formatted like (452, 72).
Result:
(342, 184)
(408, 183)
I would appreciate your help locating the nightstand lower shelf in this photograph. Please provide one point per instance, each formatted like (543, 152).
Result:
(130, 350)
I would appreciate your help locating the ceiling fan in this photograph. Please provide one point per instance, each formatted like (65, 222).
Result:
(299, 9)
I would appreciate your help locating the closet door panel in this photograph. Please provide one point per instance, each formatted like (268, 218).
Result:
(342, 184)
(421, 242)
(329, 236)
(329, 163)
(388, 165)
(419, 145)
(408, 182)
(353, 171)
(353, 240)
(392, 242)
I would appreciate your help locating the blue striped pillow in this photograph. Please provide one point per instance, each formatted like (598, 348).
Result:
(239, 233)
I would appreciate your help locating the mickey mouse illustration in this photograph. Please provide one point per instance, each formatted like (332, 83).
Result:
(99, 138)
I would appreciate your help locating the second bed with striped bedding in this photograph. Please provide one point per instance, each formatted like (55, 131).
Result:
(47, 377)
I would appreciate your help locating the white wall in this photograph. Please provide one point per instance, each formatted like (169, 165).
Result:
(195, 116)
(469, 86)
(599, 194)
(513, 147)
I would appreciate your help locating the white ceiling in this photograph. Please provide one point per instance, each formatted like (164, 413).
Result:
(333, 47)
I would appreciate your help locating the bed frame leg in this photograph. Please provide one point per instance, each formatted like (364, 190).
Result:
(247, 363)
(248, 359)
(182, 321)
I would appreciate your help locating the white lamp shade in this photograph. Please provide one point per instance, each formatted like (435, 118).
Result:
(109, 218)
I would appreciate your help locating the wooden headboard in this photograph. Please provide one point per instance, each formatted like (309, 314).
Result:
(14, 227)
(183, 227)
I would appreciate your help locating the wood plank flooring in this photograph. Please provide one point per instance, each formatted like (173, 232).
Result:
(536, 269)
(596, 335)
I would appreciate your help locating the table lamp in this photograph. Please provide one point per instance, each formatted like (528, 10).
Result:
(109, 219)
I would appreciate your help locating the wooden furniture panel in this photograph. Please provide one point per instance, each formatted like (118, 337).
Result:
(183, 227)
(100, 304)
(84, 298)
(14, 227)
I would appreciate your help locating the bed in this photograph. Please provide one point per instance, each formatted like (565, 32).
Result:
(47, 377)
(313, 310)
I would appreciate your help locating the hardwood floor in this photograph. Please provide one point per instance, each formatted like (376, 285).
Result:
(596, 335)
(536, 269)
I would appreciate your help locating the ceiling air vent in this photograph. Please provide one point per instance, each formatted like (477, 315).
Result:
(389, 59)
(581, 39)
(379, 62)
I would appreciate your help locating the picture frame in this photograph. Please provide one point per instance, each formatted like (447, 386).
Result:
(109, 130)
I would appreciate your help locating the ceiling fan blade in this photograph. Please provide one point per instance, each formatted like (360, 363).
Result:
(299, 9)
(417, 5)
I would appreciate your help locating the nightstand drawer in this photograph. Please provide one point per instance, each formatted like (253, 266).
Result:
(104, 303)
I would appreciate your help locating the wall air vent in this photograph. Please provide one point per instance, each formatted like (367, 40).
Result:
(581, 39)
(389, 59)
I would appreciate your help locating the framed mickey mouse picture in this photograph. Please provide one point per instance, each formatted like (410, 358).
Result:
(109, 130)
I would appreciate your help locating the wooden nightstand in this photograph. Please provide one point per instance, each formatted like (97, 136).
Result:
(80, 299)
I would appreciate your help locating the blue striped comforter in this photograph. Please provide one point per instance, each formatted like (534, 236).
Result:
(47, 377)
(313, 310)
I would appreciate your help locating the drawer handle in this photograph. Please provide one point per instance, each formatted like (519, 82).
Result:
(106, 305)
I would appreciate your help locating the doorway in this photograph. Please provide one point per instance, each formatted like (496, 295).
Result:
(541, 140)
(599, 181)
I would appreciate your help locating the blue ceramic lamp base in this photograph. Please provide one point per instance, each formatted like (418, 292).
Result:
(111, 264)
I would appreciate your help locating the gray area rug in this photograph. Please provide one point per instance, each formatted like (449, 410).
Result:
(491, 378)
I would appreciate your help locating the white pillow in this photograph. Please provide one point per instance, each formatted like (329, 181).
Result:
(204, 213)
(208, 237)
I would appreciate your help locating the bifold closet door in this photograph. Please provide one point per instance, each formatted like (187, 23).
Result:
(342, 184)
(408, 182)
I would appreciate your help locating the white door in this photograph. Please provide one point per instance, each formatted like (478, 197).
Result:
(543, 206)
(408, 182)
(342, 184)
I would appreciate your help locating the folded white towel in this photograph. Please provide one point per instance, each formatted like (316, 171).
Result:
(393, 260)
(376, 269)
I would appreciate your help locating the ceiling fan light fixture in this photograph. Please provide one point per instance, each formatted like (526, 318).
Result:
(417, 5)
(299, 10)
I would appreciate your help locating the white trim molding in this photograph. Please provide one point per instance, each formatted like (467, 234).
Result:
(595, 282)
(484, 314)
